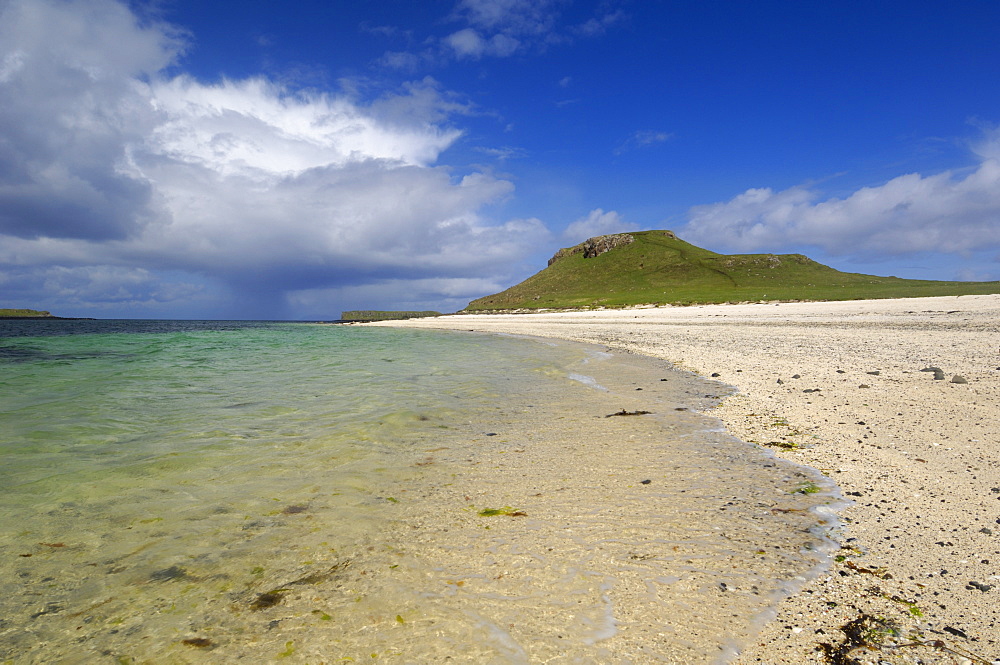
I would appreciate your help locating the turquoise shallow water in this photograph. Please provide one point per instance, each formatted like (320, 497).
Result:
(211, 492)
(96, 414)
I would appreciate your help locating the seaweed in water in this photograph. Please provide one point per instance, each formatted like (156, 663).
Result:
(267, 599)
(322, 576)
(506, 510)
(623, 412)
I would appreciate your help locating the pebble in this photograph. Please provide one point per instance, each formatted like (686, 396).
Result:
(958, 378)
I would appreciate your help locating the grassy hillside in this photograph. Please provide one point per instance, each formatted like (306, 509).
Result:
(658, 267)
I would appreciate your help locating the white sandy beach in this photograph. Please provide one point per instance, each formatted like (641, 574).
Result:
(838, 386)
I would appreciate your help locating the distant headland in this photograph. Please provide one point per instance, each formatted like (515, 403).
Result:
(367, 316)
(31, 314)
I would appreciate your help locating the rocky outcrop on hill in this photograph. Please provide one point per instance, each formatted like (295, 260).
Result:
(601, 244)
(593, 247)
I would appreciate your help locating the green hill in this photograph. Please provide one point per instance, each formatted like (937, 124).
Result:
(657, 267)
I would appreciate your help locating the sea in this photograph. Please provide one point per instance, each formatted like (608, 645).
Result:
(241, 491)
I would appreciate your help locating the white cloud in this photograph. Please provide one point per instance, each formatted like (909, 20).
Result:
(504, 153)
(597, 223)
(597, 26)
(944, 212)
(642, 139)
(401, 60)
(499, 28)
(110, 168)
(468, 43)
(255, 126)
(73, 97)
(529, 17)
(988, 146)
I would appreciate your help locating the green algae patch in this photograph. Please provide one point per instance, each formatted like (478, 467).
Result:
(506, 511)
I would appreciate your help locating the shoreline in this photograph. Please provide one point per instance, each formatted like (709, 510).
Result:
(841, 387)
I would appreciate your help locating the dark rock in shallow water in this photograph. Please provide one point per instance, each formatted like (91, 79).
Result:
(265, 600)
(171, 573)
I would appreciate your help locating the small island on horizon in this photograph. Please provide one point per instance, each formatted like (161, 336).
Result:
(26, 314)
(34, 314)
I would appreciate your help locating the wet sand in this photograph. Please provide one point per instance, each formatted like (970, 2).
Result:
(849, 388)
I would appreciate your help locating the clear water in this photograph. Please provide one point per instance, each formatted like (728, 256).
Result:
(214, 492)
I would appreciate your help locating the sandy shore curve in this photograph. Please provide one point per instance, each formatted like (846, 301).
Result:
(897, 401)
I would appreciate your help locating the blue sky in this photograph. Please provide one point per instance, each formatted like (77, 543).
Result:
(292, 160)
